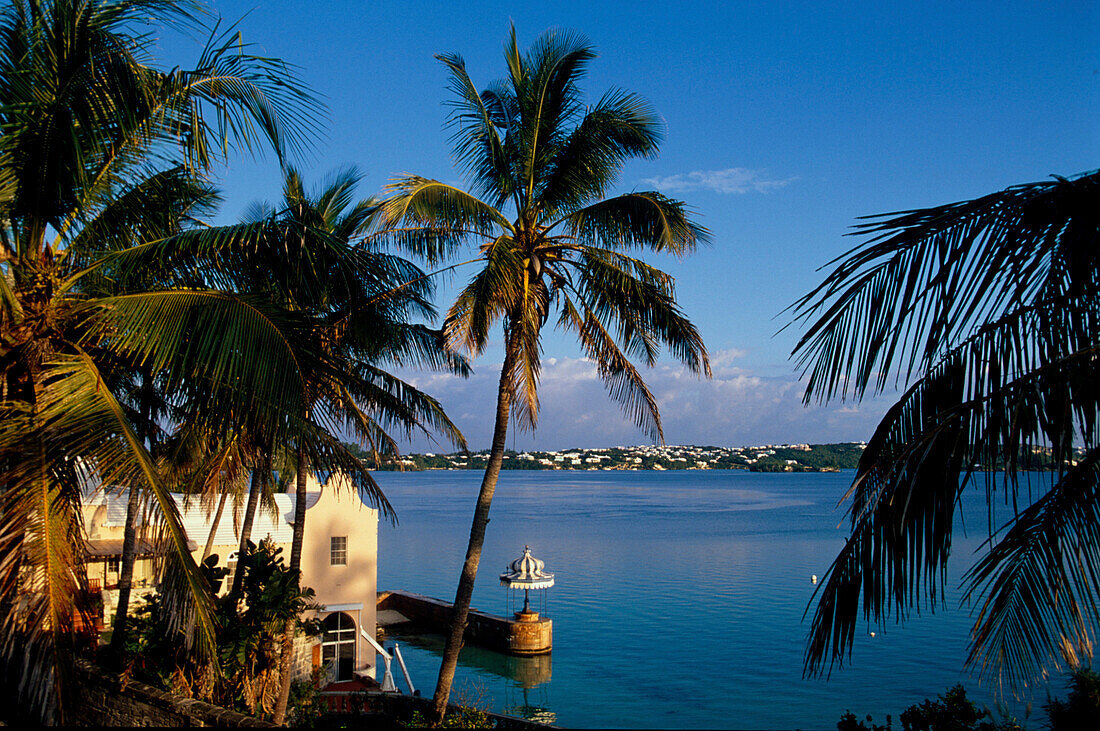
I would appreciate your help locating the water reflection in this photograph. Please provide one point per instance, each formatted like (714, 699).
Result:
(727, 588)
(528, 689)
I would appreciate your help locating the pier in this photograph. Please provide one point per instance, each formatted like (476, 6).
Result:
(524, 634)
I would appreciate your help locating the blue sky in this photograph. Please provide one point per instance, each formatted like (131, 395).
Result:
(785, 121)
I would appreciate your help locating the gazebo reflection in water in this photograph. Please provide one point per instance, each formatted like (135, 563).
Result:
(532, 671)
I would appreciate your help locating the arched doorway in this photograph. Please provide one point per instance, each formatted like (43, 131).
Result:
(338, 645)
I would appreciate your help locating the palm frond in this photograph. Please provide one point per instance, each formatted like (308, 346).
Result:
(326, 453)
(394, 404)
(254, 99)
(1021, 384)
(624, 383)
(525, 320)
(41, 561)
(927, 277)
(249, 352)
(636, 220)
(437, 216)
(1038, 584)
(640, 301)
(76, 425)
(78, 405)
(620, 126)
(151, 209)
(488, 297)
(902, 508)
(478, 146)
(548, 100)
(83, 110)
(11, 309)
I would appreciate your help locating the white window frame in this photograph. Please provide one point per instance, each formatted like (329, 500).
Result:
(337, 553)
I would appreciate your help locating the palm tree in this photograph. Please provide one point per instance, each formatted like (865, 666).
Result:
(94, 140)
(540, 164)
(989, 311)
(360, 301)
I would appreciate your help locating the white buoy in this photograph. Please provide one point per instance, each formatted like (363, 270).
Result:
(813, 579)
(872, 634)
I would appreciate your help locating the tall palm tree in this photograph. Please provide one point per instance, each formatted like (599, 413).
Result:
(988, 310)
(540, 164)
(94, 138)
(360, 301)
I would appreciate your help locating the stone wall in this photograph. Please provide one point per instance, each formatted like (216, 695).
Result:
(105, 699)
(530, 637)
(380, 710)
(307, 653)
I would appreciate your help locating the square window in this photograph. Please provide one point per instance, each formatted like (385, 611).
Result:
(338, 551)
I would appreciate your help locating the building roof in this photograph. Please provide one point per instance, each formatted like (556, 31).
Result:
(197, 521)
(110, 547)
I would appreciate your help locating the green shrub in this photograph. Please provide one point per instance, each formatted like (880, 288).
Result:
(953, 711)
(849, 722)
(1081, 709)
(245, 673)
(457, 717)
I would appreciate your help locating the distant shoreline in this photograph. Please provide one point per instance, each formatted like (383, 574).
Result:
(762, 458)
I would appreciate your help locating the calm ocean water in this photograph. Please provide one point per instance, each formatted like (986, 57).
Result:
(678, 603)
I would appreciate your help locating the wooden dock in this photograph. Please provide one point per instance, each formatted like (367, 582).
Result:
(522, 634)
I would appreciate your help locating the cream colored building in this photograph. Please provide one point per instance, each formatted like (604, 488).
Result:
(339, 559)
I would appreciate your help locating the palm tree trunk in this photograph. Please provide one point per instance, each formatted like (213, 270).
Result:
(254, 490)
(295, 568)
(129, 535)
(465, 591)
(126, 570)
(214, 526)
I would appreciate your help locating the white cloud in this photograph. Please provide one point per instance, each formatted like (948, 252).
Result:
(734, 408)
(730, 180)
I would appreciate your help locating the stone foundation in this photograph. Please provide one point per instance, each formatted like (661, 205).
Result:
(530, 634)
(105, 699)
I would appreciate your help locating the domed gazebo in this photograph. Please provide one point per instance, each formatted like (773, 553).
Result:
(532, 634)
(526, 573)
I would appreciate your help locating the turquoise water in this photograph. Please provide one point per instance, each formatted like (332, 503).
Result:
(678, 603)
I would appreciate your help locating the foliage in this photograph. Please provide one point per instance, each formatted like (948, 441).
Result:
(252, 336)
(249, 640)
(245, 676)
(155, 648)
(102, 152)
(358, 301)
(457, 717)
(361, 303)
(849, 722)
(951, 711)
(304, 707)
(542, 161)
(468, 711)
(988, 311)
(1081, 709)
(824, 457)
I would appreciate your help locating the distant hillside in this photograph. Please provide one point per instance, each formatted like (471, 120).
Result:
(764, 458)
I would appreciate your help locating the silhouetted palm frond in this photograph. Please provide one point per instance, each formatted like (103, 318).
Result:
(991, 309)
